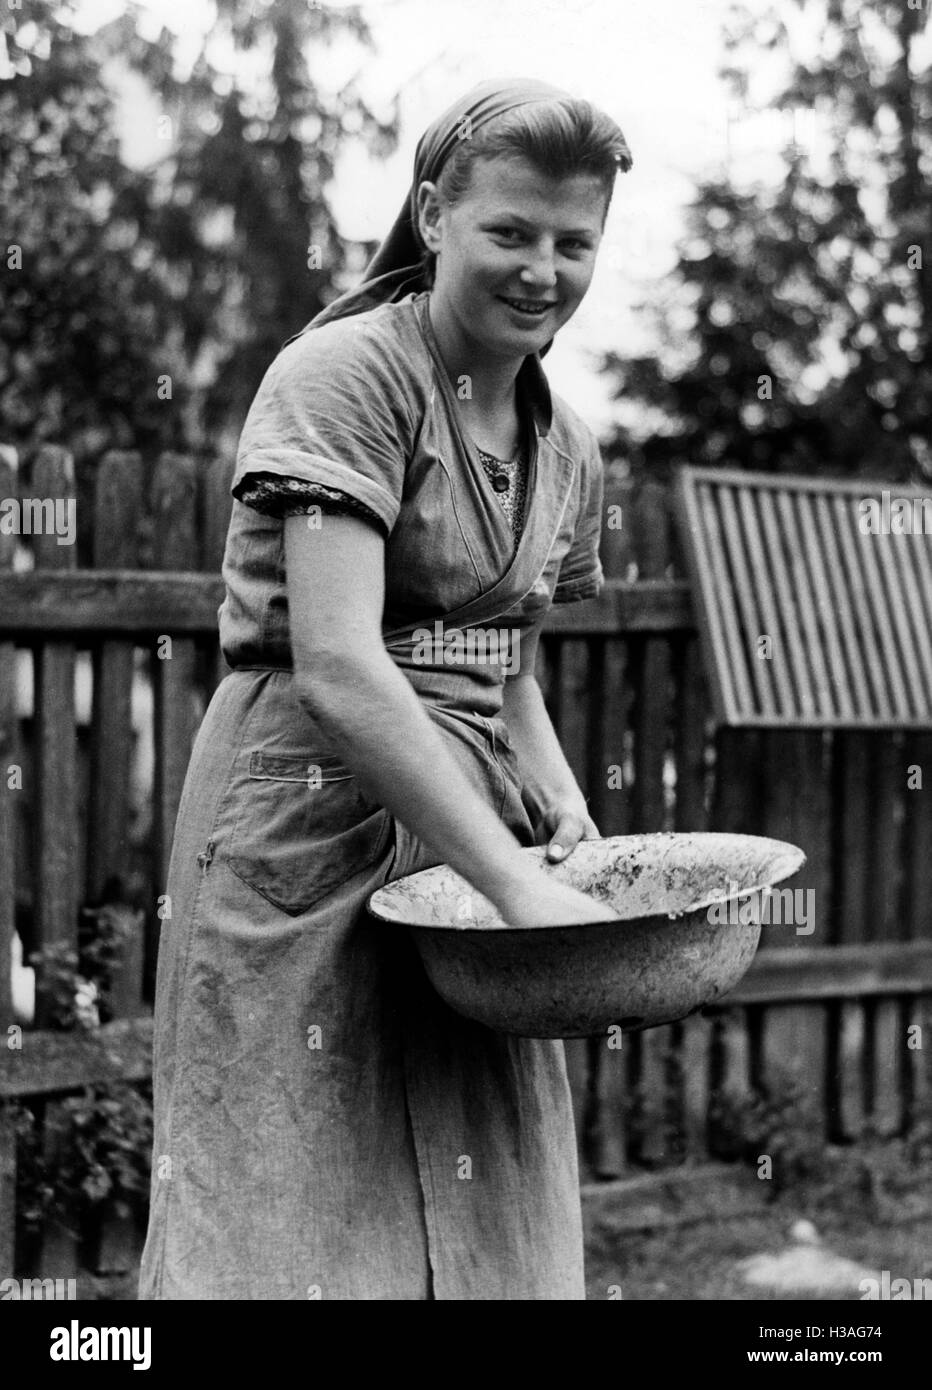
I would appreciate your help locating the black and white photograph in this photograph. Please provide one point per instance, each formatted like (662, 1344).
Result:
(466, 665)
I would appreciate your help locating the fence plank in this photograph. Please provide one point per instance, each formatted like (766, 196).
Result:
(117, 513)
(695, 1062)
(173, 668)
(608, 1078)
(690, 738)
(917, 836)
(57, 876)
(852, 1046)
(889, 1043)
(8, 754)
(58, 882)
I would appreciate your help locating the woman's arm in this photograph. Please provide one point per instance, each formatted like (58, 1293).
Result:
(346, 679)
(551, 793)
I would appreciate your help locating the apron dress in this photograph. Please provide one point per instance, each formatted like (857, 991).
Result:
(325, 1126)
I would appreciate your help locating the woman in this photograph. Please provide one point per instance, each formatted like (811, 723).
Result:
(325, 1126)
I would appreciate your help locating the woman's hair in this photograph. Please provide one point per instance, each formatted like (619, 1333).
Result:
(561, 138)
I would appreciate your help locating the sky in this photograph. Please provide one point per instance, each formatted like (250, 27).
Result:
(651, 64)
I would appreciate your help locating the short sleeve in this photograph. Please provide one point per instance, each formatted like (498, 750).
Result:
(581, 574)
(281, 497)
(333, 408)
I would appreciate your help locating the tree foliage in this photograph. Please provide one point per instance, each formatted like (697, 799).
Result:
(795, 329)
(120, 283)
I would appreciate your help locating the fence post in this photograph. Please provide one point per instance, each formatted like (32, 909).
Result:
(57, 875)
(8, 754)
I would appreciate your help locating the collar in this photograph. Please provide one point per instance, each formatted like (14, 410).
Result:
(532, 381)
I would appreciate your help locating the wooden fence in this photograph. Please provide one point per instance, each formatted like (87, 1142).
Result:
(623, 680)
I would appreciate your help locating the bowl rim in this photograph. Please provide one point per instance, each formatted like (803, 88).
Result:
(795, 856)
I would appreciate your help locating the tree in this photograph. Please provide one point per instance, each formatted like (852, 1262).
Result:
(143, 305)
(795, 330)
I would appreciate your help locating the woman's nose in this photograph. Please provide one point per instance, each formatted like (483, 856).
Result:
(540, 269)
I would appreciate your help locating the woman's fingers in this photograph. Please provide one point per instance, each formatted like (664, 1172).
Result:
(572, 826)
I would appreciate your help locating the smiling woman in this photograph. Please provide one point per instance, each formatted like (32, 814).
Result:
(323, 1121)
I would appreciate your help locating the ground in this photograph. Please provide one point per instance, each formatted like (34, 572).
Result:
(702, 1260)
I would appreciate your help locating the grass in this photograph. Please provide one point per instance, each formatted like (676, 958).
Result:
(698, 1262)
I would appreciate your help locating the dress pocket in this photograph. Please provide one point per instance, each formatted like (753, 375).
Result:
(304, 826)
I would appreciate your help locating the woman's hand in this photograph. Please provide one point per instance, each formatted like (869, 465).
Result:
(563, 824)
(537, 900)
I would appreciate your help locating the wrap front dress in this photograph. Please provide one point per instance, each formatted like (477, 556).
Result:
(325, 1126)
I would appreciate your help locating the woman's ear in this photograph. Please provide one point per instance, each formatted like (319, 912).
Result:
(428, 215)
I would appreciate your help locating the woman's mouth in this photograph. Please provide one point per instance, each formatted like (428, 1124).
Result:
(529, 308)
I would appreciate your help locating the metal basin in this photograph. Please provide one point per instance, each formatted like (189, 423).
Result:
(661, 960)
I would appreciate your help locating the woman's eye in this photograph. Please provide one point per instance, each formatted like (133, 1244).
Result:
(506, 231)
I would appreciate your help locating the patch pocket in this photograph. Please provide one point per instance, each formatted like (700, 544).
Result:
(305, 826)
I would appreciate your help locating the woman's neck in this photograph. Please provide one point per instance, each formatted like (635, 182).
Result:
(484, 383)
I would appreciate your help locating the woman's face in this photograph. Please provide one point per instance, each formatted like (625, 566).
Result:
(515, 254)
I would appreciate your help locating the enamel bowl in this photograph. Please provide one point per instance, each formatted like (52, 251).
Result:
(689, 920)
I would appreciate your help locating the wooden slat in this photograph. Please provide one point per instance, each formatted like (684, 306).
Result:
(719, 596)
(836, 972)
(9, 753)
(855, 853)
(690, 738)
(787, 601)
(856, 585)
(54, 1063)
(117, 513)
(609, 805)
(882, 628)
(695, 1045)
(749, 610)
(851, 1047)
(121, 601)
(641, 605)
(691, 514)
(653, 689)
(847, 490)
(917, 839)
(769, 611)
(918, 1061)
(7, 1190)
(898, 596)
(889, 1040)
(57, 887)
(885, 789)
(786, 1056)
(908, 580)
(653, 1138)
(608, 1080)
(840, 598)
(804, 606)
(174, 490)
(826, 610)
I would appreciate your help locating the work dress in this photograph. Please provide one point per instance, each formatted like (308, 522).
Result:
(325, 1126)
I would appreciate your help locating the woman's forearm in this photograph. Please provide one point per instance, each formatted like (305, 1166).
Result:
(390, 743)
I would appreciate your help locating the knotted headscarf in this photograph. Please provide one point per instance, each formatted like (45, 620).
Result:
(397, 267)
